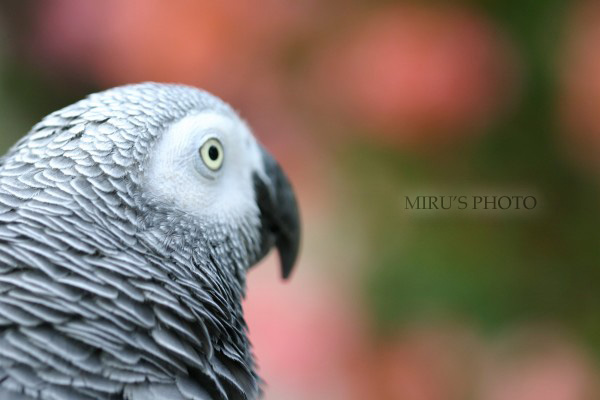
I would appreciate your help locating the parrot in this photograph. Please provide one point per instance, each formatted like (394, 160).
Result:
(128, 222)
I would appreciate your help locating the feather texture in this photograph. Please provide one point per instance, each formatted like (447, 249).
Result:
(105, 293)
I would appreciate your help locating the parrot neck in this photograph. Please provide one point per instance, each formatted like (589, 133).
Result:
(203, 269)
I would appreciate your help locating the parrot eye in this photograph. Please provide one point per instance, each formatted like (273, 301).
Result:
(211, 153)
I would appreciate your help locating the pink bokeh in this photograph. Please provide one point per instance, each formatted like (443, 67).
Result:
(303, 342)
(540, 366)
(580, 84)
(419, 73)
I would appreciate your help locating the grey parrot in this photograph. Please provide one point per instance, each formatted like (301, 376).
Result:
(128, 221)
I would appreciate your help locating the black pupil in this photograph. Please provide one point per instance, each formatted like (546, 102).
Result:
(213, 153)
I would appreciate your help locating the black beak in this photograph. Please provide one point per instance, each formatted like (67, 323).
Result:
(280, 221)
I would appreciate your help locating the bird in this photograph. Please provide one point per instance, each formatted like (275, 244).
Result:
(128, 223)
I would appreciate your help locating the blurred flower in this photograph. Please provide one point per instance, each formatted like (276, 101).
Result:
(449, 363)
(215, 45)
(538, 366)
(303, 332)
(580, 101)
(421, 364)
(419, 73)
(66, 37)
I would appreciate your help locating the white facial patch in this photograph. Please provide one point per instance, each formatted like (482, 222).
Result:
(179, 176)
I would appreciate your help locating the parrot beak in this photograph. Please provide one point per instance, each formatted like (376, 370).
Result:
(280, 221)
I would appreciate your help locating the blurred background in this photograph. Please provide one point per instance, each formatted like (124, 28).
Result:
(364, 102)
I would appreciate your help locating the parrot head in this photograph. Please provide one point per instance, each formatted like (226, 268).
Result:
(207, 166)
